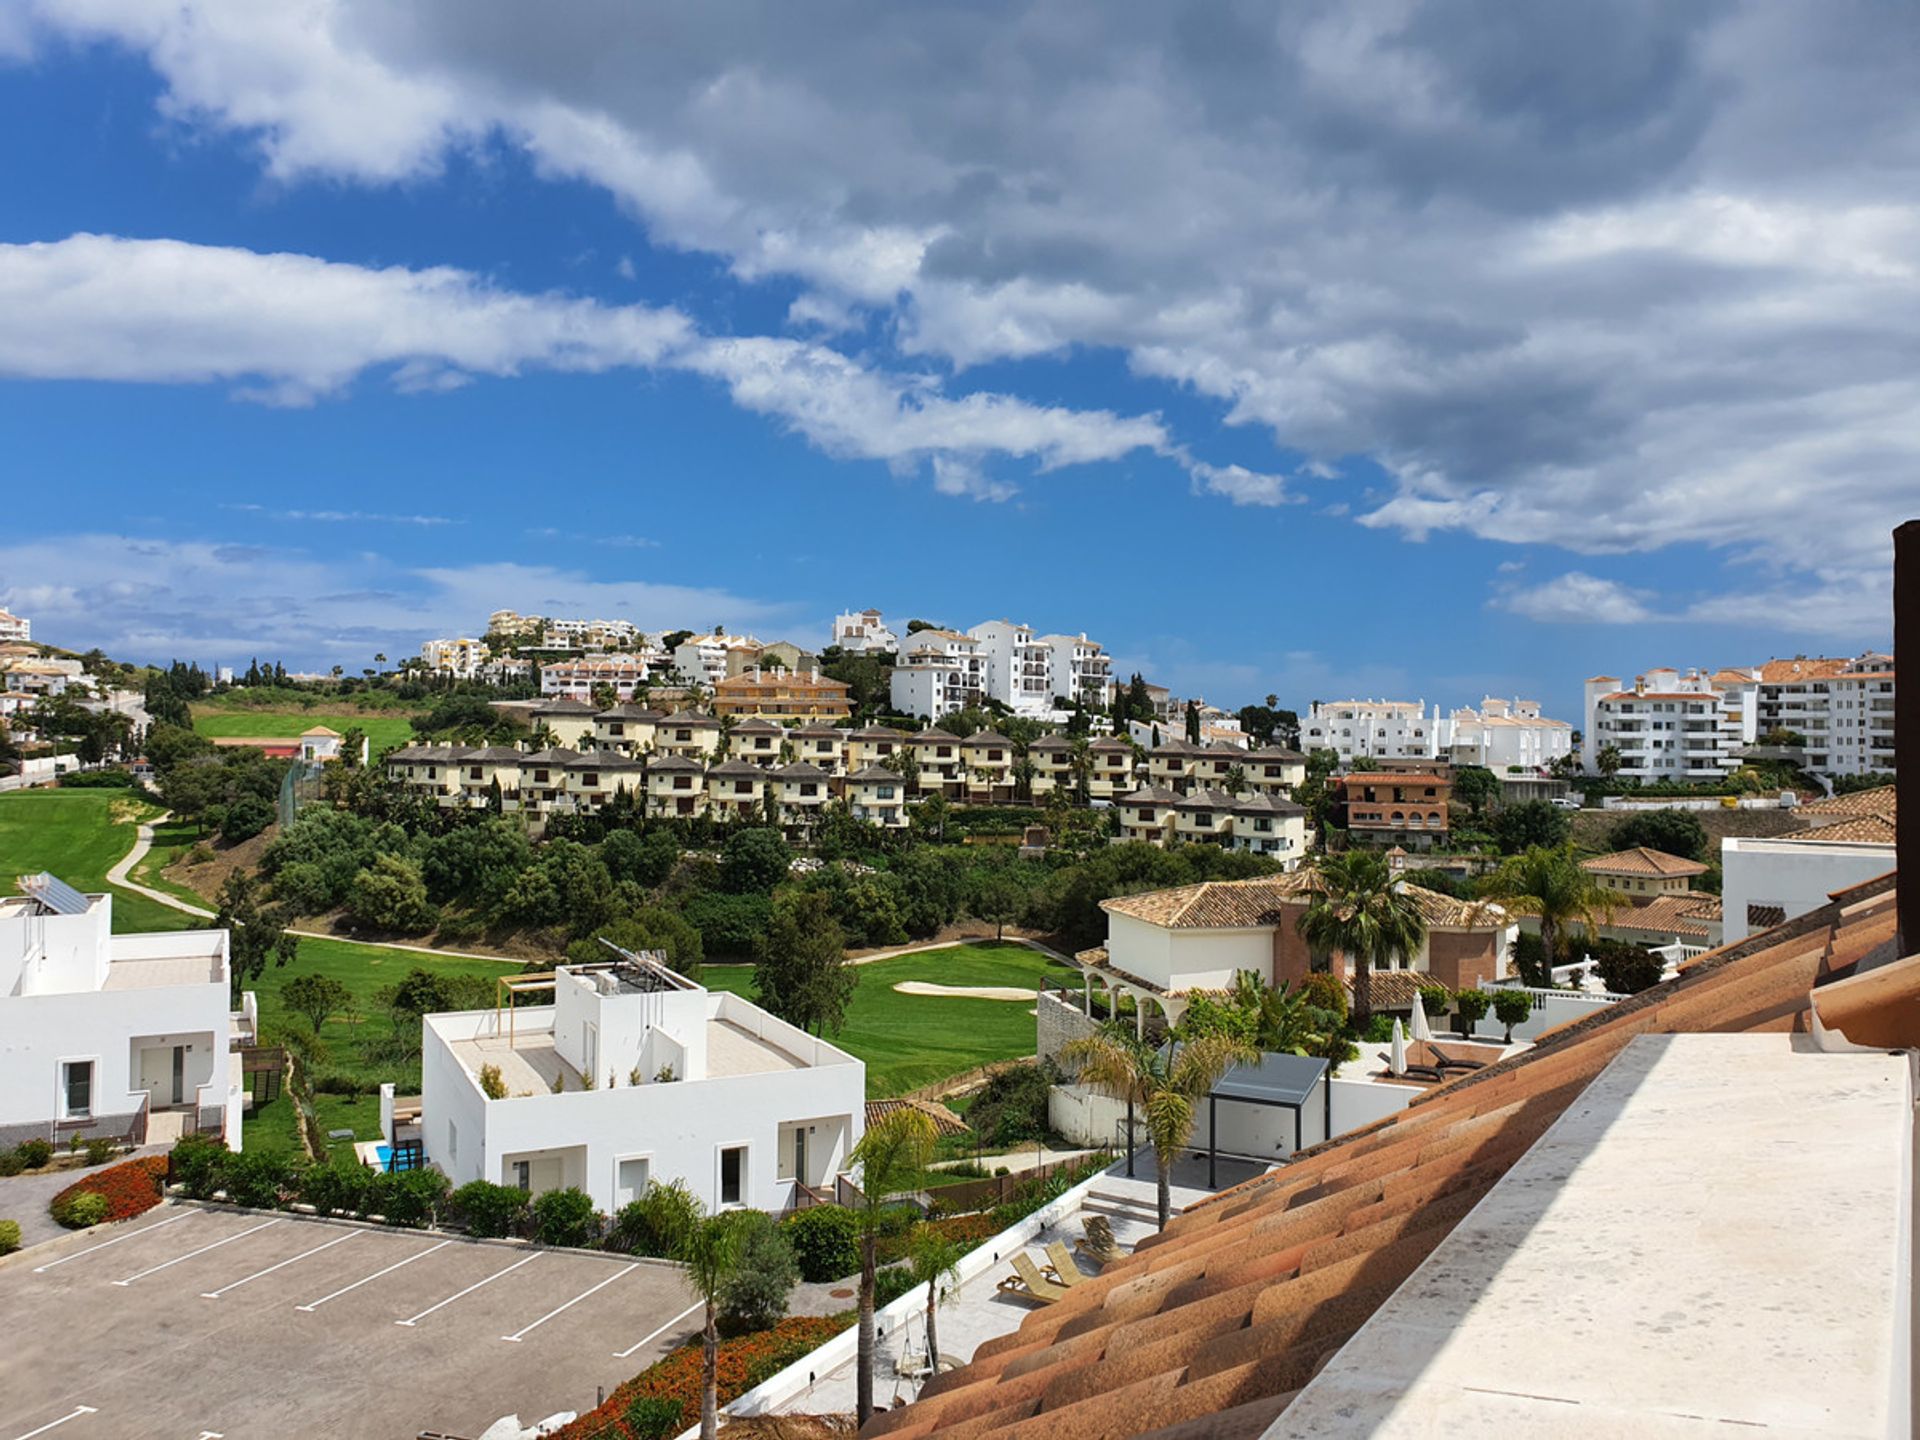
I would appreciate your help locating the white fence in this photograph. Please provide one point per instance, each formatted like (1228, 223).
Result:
(1785, 800)
(1550, 1008)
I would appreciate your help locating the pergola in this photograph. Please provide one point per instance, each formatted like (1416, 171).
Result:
(1281, 1081)
(1094, 966)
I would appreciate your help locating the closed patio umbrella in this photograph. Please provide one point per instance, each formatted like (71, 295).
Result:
(1397, 1061)
(1419, 1029)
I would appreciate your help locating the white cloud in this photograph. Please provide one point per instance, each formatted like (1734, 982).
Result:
(333, 517)
(1577, 598)
(1239, 484)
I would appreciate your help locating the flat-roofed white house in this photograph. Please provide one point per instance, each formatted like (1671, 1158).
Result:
(688, 1084)
(129, 1036)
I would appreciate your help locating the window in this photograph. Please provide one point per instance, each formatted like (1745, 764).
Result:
(590, 779)
(631, 1180)
(883, 792)
(522, 1172)
(733, 1171)
(76, 1089)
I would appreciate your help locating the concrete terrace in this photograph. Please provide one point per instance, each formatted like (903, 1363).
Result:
(529, 1062)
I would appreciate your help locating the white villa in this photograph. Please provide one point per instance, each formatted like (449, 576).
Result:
(128, 1036)
(636, 1074)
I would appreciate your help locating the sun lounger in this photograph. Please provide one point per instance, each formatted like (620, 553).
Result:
(1027, 1283)
(1063, 1269)
(1098, 1244)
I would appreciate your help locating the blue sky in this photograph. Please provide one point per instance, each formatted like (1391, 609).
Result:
(324, 332)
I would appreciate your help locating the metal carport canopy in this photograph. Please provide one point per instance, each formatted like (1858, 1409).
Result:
(1282, 1080)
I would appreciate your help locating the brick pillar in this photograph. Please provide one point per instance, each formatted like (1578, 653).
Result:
(1906, 730)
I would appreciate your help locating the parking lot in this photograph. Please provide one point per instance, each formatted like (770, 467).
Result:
(214, 1325)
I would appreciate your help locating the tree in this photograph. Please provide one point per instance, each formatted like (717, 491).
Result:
(391, 895)
(1165, 1085)
(1549, 884)
(1677, 832)
(1609, 760)
(1193, 722)
(800, 964)
(997, 898)
(1471, 1005)
(709, 1251)
(758, 1293)
(1530, 823)
(420, 992)
(1627, 969)
(932, 1258)
(314, 996)
(246, 817)
(1511, 1008)
(754, 861)
(891, 1156)
(1476, 787)
(255, 934)
(1358, 909)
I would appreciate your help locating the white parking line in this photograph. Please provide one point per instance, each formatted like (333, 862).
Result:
(167, 1265)
(398, 1264)
(469, 1290)
(132, 1235)
(525, 1330)
(78, 1411)
(623, 1354)
(216, 1294)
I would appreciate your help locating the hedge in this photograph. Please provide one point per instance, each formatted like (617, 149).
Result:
(129, 1190)
(676, 1378)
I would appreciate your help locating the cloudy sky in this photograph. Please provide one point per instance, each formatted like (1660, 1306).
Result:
(1432, 349)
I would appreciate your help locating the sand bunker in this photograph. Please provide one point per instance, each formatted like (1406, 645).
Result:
(965, 992)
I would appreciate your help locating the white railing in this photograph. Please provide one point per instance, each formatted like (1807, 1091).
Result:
(1541, 995)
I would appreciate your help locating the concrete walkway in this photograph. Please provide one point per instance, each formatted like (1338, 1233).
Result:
(121, 875)
(24, 1197)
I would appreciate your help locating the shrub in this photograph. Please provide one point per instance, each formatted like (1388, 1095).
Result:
(891, 1283)
(1626, 969)
(1434, 999)
(34, 1153)
(11, 1163)
(410, 1197)
(824, 1242)
(246, 818)
(100, 1150)
(491, 1210)
(652, 1417)
(129, 1189)
(1471, 1006)
(9, 1236)
(652, 1224)
(1677, 832)
(491, 1084)
(335, 1083)
(565, 1217)
(1530, 961)
(197, 1164)
(259, 1179)
(1324, 990)
(339, 1186)
(459, 929)
(1511, 1008)
(756, 1296)
(1011, 1108)
(78, 1210)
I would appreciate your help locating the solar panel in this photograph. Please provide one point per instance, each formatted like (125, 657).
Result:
(54, 893)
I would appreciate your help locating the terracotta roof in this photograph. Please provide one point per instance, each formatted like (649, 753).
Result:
(1642, 861)
(321, 730)
(1807, 667)
(1452, 914)
(879, 732)
(664, 764)
(1394, 777)
(1212, 904)
(945, 1122)
(1882, 800)
(934, 737)
(631, 712)
(1207, 1331)
(754, 725)
(1688, 914)
(986, 737)
(1394, 989)
(1858, 830)
(563, 705)
(1051, 742)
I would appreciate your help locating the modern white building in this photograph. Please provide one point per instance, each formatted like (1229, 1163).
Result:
(1018, 669)
(588, 634)
(859, 631)
(457, 659)
(1843, 709)
(1079, 669)
(636, 1074)
(1371, 730)
(1504, 735)
(709, 659)
(1671, 724)
(1766, 882)
(942, 671)
(15, 627)
(128, 1036)
(578, 679)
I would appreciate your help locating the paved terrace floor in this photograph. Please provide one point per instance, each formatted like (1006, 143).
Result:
(978, 1311)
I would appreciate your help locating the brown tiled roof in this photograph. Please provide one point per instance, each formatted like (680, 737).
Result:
(1882, 800)
(1860, 829)
(1687, 914)
(1394, 777)
(1394, 989)
(1206, 1331)
(1444, 910)
(945, 1122)
(1212, 904)
(1809, 667)
(1642, 861)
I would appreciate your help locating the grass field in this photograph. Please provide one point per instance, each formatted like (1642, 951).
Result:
(79, 835)
(913, 1040)
(383, 731)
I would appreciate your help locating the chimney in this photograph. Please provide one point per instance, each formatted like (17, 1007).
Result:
(1906, 734)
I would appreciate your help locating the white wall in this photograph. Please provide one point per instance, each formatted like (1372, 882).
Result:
(1795, 874)
(1187, 959)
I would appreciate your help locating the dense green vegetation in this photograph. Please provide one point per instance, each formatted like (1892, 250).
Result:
(909, 1041)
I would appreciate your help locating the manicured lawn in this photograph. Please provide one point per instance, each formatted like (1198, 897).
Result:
(171, 839)
(909, 1041)
(383, 731)
(79, 835)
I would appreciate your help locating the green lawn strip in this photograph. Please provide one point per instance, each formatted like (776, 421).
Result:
(73, 834)
(358, 1113)
(909, 1041)
(273, 1128)
(383, 731)
(171, 839)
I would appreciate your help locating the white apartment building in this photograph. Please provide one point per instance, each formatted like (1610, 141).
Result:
(52, 676)
(634, 1075)
(709, 659)
(589, 634)
(1843, 709)
(942, 671)
(15, 627)
(1080, 669)
(859, 631)
(512, 622)
(458, 659)
(1504, 735)
(128, 1036)
(506, 670)
(577, 679)
(1672, 725)
(1018, 668)
(1371, 730)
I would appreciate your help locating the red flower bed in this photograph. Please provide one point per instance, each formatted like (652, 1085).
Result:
(742, 1364)
(131, 1189)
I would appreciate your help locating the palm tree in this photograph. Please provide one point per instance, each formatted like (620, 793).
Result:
(1080, 766)
(1360, 910)
(709, 1250)
(892, 1155)
(932, 1258)
(1551, 885)
(1163, 1083)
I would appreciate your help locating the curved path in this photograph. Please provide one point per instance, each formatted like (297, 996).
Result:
(121, 876)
